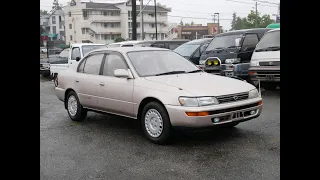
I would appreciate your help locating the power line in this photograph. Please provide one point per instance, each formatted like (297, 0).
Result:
(249, 3)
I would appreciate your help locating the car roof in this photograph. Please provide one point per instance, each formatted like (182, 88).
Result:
(126, 42)
(124, 50)
(242, 31)
(198, 41)
(82, 44)
(153, 41)
(276, 29)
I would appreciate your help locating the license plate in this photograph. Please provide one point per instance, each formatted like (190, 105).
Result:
(270, 77)
(238, 115)
(229, 74)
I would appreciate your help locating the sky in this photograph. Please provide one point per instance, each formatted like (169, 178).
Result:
(200, 11)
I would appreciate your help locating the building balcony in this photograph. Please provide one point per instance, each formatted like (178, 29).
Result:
(101, 18)
(45, 24)
(147, 18)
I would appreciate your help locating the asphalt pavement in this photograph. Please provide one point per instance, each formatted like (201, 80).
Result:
(108, 147)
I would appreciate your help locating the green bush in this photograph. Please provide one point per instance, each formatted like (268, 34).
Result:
(119, 39)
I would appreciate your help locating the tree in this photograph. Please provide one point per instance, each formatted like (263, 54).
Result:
(234, 21)
(181, 23)
(120, 39)
(43, 12)
(253, 20)
(192, 23)
(56, 5)
(187, 24)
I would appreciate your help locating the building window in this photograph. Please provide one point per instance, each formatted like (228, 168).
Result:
(105, 13)
(85, 14)
(112, 24)
(53, 20)
(54, 30)
(59, 18)
(83, 30)
(70, 37)
(115, 13)
(70, 26)
(69, 14)
(60, 25)
(129, 24)
(129, 15)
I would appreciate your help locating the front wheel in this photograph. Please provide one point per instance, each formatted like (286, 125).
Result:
(75, 110)
(156, 123)
(55, 79)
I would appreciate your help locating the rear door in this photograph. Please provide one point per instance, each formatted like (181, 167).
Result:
(87, 80)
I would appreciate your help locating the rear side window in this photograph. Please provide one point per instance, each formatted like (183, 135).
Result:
(159, 45)
(91, 65)
(250, 40)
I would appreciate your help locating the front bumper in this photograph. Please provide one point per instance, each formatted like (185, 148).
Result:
(60, 93)
(229, 112)
(265, 73)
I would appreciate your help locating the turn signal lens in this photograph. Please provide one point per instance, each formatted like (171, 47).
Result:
(197, 113)
(260, 103)
(251, 73)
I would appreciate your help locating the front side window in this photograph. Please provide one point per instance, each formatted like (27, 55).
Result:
(186, 49)
(113, 62)
(92, 64)
(64, 53)
(251, 40)
(157, 62)
(75, 53)
(270, 41)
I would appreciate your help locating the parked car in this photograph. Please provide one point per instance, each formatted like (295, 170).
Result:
(43, 50)
(229, 53)
(76, 52)
(61, 58)
(192, 50)
(123, 44)
(265, 61)
(167, 44)
(156, 86)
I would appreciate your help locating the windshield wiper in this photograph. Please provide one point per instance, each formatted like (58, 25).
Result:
(272, 48)
(198, 70)
(171, 72)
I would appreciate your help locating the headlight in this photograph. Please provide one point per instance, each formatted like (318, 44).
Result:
(233, 60)
(254, 63)
(201, 62)
(253, 94)
(197, 101)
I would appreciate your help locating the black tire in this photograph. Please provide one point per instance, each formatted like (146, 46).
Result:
(81, 113)
(55, 80)
(270, 86)
(166, 133)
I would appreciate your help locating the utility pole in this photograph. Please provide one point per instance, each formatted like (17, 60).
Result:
(256, 14)
(155, 17)
(217, 14)
(141, 23)
(134, 19)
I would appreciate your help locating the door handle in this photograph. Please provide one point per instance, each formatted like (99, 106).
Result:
(101, 84)
(77, 81)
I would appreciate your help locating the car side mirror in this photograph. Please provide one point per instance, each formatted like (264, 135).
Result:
(121, 73)
(77, 58)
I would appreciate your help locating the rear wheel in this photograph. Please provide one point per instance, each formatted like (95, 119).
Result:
(55, 79)
(75, 110)
(156, 123)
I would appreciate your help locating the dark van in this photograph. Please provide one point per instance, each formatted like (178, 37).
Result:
(229, 54)
(167, 44)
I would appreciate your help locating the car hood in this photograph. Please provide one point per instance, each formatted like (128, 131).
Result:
(204, 84)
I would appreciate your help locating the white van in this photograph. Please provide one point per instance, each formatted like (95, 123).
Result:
(265, 61)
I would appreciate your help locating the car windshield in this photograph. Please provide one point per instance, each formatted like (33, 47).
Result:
(228, 41)
(86, 49)
(186, 49)
(269, 40)
(64, 53)
(152, 63)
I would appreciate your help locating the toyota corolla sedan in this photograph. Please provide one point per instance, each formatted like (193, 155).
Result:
(158, 87)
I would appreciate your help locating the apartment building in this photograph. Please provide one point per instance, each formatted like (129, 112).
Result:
(54, 24)
(105, 22)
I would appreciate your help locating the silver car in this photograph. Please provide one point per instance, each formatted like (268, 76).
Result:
(156, 86)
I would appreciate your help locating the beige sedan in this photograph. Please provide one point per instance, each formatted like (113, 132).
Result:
(158, 87)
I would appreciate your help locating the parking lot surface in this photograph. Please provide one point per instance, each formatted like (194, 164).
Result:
(109, 147)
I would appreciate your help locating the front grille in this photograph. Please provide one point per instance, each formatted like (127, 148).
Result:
(233, 109)
(271, 63)
(233, 97)
(264, 74)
